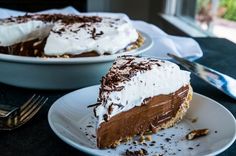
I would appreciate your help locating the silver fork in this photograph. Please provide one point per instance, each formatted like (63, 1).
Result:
(12, 117)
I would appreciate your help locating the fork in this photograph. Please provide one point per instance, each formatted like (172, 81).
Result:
(12, 117)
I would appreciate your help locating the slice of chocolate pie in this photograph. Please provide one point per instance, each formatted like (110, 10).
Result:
(139, 95)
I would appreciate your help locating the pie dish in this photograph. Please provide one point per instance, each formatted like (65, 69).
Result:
(60, 73)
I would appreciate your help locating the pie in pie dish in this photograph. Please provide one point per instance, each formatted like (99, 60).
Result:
(58, 35)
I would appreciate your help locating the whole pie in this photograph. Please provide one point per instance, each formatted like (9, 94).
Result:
(58, 35)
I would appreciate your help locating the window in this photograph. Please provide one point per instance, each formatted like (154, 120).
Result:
(210, 17)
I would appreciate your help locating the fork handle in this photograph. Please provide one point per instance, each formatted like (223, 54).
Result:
(5, 110)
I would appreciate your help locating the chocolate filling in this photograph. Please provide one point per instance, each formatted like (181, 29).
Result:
(28, 48)
(155, 111)
(35, 48)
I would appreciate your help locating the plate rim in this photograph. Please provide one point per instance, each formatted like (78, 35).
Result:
(88, 150)
(103, 58)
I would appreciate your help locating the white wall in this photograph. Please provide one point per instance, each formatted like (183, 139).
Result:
(135, 9)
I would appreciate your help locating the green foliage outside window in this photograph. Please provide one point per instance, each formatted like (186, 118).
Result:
(226, 9)
(230, 6)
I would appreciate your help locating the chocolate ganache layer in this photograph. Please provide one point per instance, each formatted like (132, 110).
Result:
(153, 114)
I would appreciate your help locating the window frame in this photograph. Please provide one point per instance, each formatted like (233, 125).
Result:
(181, 14)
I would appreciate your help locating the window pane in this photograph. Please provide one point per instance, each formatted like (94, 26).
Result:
(187, 8)
(217, 17)
(213, 17)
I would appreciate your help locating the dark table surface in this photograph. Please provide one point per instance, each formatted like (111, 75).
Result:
(36, 137)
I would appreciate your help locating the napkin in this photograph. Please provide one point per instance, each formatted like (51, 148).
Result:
(162, 42)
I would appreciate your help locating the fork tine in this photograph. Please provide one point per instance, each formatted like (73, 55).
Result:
(25, 112)
(27, 117)
(37, 104)
(30, 115)
(27, 102)
(30, 103)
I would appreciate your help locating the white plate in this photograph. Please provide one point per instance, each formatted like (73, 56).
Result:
(69, 118)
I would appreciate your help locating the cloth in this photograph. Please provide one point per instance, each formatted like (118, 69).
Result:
(162, 42)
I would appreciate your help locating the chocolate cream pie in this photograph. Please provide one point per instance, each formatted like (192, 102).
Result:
(139, 95)
(57, 35)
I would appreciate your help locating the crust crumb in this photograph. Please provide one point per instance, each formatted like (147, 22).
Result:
(197, 133)
(148, 138)
(141, 152)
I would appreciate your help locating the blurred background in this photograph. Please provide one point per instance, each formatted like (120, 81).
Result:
(196, 18)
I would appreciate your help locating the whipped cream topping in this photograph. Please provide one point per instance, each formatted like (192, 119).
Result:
(70, 34)
(131, 80)
(108, 36)
(12, 33)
